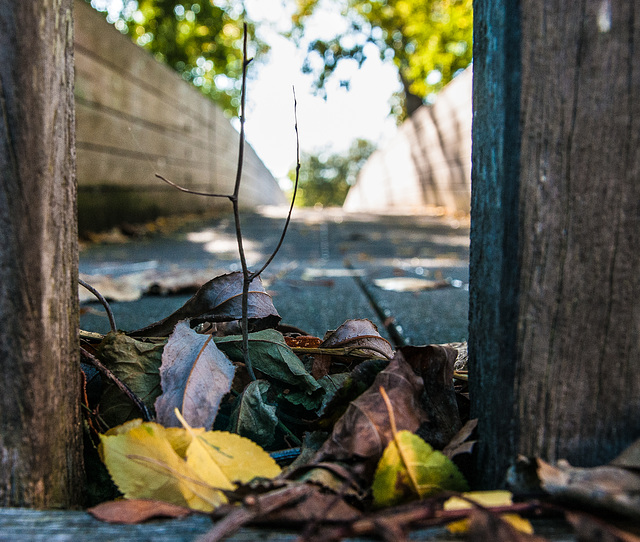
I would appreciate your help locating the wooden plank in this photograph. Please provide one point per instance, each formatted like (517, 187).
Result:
(21, 525)
(40, 421)
(136, 117)
(554, 334)
(579, 321)
(493, 257)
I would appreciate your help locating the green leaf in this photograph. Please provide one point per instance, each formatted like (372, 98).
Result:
(252, 416)
(137, 364)
(332, 384)
(410, 469)
(270, 355)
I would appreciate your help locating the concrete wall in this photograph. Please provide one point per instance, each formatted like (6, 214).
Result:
(136, 117)
(427, 163)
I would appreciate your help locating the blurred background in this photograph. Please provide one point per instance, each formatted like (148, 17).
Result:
(383, 102)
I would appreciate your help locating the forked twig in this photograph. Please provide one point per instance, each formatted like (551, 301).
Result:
(248, 276)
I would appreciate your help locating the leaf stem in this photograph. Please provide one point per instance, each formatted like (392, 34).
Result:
(396, 439)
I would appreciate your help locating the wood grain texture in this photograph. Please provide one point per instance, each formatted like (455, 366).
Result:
(555, 259)
(578, 386)
(137, 117)
(40, 432)
(493, 265)
(18, 524)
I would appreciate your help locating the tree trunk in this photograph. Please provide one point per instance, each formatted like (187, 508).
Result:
(555, 264)
(411, 102)
(40, 430)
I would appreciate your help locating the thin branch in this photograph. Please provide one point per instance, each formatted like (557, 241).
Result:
(295, 190)
(92, 360)
(105, 304)
(246, 276)
(189, 191)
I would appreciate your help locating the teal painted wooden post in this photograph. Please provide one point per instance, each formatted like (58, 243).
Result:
(493, 291)
(554, 336)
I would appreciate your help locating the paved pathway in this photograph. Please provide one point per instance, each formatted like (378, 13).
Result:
(329, 269)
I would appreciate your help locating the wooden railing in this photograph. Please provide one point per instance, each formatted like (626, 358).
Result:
(426, 164)
(136, 117)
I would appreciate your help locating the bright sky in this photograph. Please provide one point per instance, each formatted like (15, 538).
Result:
(360, 112)
(332, 124)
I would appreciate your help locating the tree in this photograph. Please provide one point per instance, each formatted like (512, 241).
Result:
(326, 179)
(554, 332)
(199, 39)
(40, 429)
(429, 41)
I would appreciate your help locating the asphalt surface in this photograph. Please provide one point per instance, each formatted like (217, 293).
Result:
(327, 270)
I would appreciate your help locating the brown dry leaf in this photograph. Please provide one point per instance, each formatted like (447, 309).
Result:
(131, 511)
(321, 365)
(219, 300)
(364, 430)
(460, 443)
(303, 341)
(361, 334)
(629, 458)
(435, 364)
(608, 487)
(590, 528)
(194, 375)
(316, 506)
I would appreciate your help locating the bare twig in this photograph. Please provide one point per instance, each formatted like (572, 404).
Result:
(105, 304)
(264, 504)
(189, 191)
(248, 276)
(92, 360)
(295, 189)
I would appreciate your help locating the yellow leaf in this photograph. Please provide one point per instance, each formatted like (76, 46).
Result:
(486, 499)
(180, 439)
(188, 467)
(410, 468)
(222, 458)
(144, 465)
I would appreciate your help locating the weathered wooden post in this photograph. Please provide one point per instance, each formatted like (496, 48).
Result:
(40, 436)
(555, 259)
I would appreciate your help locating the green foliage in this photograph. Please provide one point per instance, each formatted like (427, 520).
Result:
(427, 40)
(326, 179)
(200, 39)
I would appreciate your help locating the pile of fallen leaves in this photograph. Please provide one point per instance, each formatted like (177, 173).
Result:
(340, 436)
